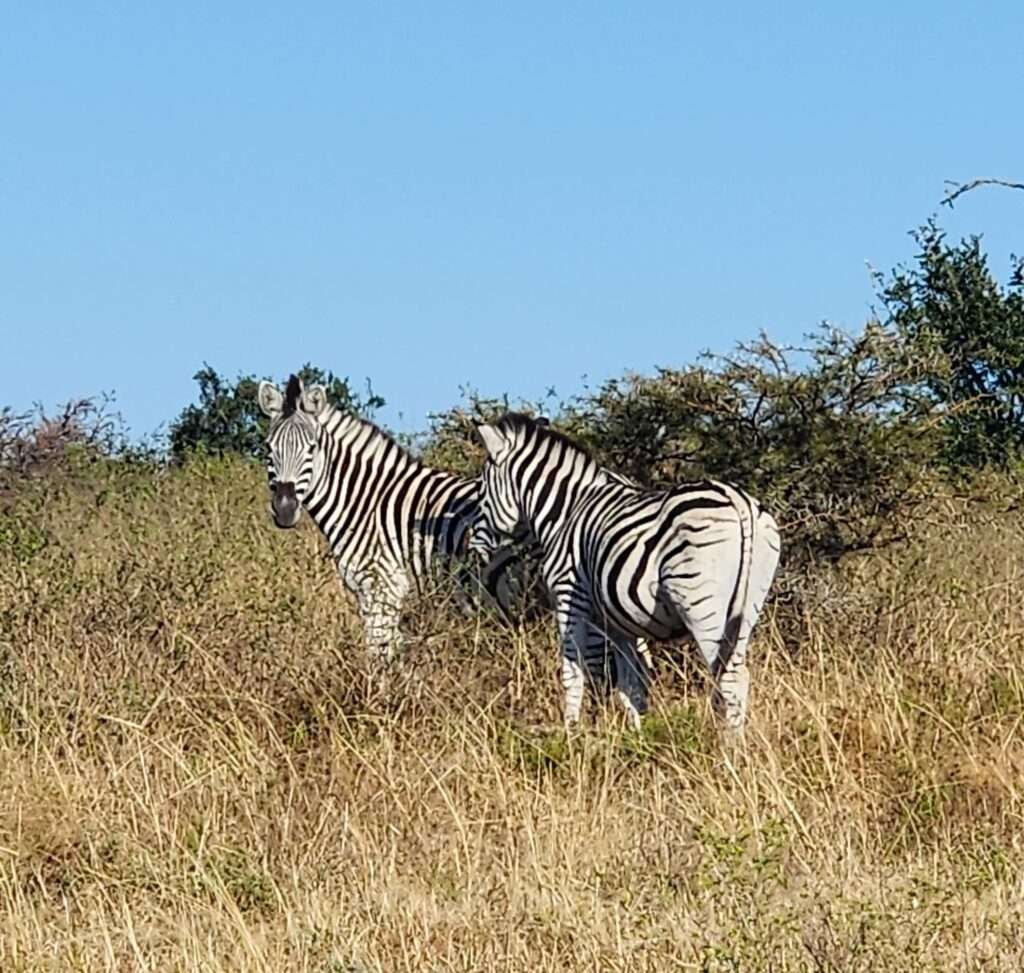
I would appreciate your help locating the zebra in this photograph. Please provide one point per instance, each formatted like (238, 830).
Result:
(389, 520)
(633, 563)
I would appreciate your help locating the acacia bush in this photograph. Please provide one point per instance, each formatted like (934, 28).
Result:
(36, 442)
(837, 437)
(844, 436)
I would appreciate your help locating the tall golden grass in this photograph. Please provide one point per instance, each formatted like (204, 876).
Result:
(196, 776)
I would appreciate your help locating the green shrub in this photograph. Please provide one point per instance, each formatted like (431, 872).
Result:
(952, 309)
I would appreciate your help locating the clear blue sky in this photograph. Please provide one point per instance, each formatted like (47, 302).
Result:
(508, 196)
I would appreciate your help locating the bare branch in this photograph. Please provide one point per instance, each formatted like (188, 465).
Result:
(957, 189)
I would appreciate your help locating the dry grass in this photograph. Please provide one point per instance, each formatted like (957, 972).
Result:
(194, 777)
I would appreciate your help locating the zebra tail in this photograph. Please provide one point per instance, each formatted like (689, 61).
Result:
(741, 592)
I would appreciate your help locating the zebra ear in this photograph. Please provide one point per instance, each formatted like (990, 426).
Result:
(494, 442)
(270, 398)
(314, 400)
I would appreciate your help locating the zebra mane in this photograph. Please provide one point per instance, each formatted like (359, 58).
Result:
(292, 394)
(513, 422)
(336, 420)
(333, 419)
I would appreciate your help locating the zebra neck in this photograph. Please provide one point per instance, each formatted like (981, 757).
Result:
(358, 463)
(546, 508)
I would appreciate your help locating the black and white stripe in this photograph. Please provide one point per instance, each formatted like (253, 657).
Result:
(633, 563)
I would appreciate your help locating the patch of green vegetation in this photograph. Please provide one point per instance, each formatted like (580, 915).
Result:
(744, 859)
(1004, 694)
(540, 752)
(231, 869)
(675, 732)
(22, 538)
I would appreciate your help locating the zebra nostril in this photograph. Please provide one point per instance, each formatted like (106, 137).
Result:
(284, 493)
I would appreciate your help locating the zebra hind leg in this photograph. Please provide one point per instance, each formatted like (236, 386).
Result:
(730, 700)
(632, 676)
(726, 658)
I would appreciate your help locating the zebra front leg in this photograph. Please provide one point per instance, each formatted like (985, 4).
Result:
(573, 682)
(381, 614)
(383, 637)
(643, 649)
(573, 627)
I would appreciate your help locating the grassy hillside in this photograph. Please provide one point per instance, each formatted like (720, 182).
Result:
(195, 776)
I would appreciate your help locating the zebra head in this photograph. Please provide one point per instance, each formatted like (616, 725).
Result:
(293, 440)
(500, 501)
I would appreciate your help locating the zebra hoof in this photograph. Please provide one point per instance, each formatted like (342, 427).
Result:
(573, 727)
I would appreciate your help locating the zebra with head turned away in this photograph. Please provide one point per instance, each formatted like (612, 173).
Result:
(633, 563)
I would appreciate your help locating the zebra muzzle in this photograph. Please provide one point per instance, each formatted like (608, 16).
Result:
(285, 505)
